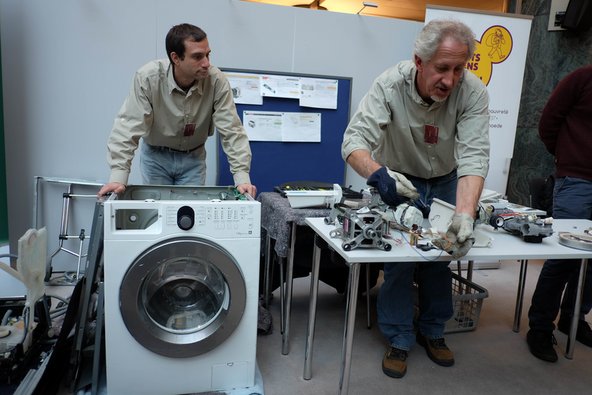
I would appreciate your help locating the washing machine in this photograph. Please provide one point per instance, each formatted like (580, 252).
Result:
(181, 294)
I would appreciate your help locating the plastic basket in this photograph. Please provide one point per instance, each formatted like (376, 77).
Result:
(467, 299)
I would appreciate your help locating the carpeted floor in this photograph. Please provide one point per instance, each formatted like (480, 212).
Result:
(492, 359)
(489, 360)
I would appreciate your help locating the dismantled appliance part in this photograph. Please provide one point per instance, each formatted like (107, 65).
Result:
(359, 228)
(581, 241)
(531, 228)
(365, 223)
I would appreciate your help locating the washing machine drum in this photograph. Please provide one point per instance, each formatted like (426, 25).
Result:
(182, 297)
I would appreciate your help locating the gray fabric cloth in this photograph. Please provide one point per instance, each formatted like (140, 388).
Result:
(277, 217)
(264, 320)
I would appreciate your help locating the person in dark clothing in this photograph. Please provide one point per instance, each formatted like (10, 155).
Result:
(565, 128)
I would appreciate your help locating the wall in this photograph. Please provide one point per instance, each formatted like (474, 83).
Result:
(3, 192)
(67, 67)
(551, 56)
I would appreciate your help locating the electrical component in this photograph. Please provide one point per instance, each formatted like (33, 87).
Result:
(531, 228)
(362, 228)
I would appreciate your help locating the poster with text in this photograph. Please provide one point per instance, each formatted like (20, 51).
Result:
(499, 60)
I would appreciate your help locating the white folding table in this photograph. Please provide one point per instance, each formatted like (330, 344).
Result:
(504, 246)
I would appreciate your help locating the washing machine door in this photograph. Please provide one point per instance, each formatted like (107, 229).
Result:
(182, 297)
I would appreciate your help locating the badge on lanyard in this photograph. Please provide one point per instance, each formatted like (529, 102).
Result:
(189, 129)
(430, 134)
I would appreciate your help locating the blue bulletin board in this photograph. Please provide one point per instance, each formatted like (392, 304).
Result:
(275, 162)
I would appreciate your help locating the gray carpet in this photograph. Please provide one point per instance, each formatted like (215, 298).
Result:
(489, 360)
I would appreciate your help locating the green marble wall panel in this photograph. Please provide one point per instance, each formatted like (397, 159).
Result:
(551, 55)
(3, 192)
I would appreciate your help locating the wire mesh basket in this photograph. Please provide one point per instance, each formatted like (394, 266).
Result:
(467, 299)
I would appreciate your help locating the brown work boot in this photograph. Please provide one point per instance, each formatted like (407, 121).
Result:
(437, 350)
(394, 363)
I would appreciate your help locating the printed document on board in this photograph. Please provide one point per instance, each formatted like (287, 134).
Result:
(282, 126)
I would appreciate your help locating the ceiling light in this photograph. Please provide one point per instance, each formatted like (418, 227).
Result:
(367, 4)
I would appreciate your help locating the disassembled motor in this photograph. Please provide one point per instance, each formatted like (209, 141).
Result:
(531, 228)
(368, 226)
(363, 228)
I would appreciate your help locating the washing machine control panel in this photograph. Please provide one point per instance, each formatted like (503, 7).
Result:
(216, 219)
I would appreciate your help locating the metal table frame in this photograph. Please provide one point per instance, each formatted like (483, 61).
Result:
(67, 200)
(505, 247)
(280, 222)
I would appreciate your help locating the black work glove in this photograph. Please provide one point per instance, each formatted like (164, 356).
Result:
(391, 192)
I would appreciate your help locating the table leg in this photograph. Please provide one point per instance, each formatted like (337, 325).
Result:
(520, 295)
(348, 335)
(312, 310)
(288, 296)
(368, 320)
(282, 296)
(470, 265)
(576, 313)
(267, 270)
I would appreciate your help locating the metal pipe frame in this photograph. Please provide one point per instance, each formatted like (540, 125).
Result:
(288, 295)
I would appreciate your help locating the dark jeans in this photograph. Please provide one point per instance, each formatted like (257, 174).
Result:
(572, 200)
(395, 305)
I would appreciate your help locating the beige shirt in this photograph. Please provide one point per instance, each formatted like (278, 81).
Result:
(161, 113)
(390, 123)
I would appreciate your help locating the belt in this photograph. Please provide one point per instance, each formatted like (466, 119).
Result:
(433, 179)
(163, 148)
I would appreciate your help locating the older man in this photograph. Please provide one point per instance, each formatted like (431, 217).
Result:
(422, 132)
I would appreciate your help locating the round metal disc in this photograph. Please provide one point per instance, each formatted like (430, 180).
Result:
(580, 241)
